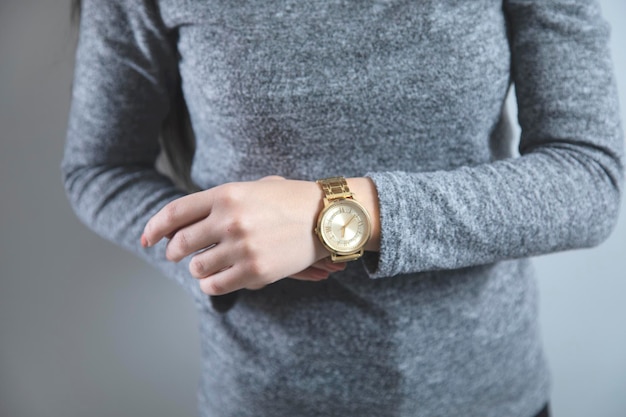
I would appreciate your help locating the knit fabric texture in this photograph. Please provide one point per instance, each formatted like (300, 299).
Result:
(443, 321)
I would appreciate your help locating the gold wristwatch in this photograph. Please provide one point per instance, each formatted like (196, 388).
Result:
(343, 226)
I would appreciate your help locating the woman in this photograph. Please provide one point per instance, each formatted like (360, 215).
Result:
(418, 301)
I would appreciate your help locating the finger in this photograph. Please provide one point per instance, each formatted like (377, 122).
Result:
(190, 239)
(226, 281)
(175, 215)
(311, 274)
(320, 270)
(328, 265)
(210, 262)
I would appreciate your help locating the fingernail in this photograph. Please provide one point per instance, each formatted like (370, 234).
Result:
(144, 241)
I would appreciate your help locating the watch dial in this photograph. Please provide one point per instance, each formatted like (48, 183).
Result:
(345, 226)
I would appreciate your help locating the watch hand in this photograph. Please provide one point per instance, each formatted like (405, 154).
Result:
(343, 228)
(350, 221)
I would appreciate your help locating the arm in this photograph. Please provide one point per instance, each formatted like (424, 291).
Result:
(125, 73)
(562, 193)
(126, 69)
(564, 190)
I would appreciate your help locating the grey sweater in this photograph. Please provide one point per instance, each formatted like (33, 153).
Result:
(443, 321)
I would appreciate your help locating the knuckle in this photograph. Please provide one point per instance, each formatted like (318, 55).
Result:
(197, 267)
(228, 194)
(170, 212)
(248, 250)
(204, 288)
(177, 247)
(212, 287)
(256, 268)
(181, 241)
(237, 226)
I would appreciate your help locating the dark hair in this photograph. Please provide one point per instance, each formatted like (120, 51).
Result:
(176, 139)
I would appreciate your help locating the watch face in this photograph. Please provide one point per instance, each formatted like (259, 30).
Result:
(344, 226)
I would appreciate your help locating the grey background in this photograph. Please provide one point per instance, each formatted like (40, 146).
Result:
(87, 329)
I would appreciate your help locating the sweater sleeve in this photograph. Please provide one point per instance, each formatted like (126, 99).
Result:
(563, 192)
(124, 75)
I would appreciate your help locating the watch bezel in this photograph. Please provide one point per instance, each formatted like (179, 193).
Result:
(323, 238)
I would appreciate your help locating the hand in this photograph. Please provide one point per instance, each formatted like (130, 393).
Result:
(244, 235)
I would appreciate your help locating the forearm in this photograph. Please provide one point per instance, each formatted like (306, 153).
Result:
(563, 192)
(548, 201)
